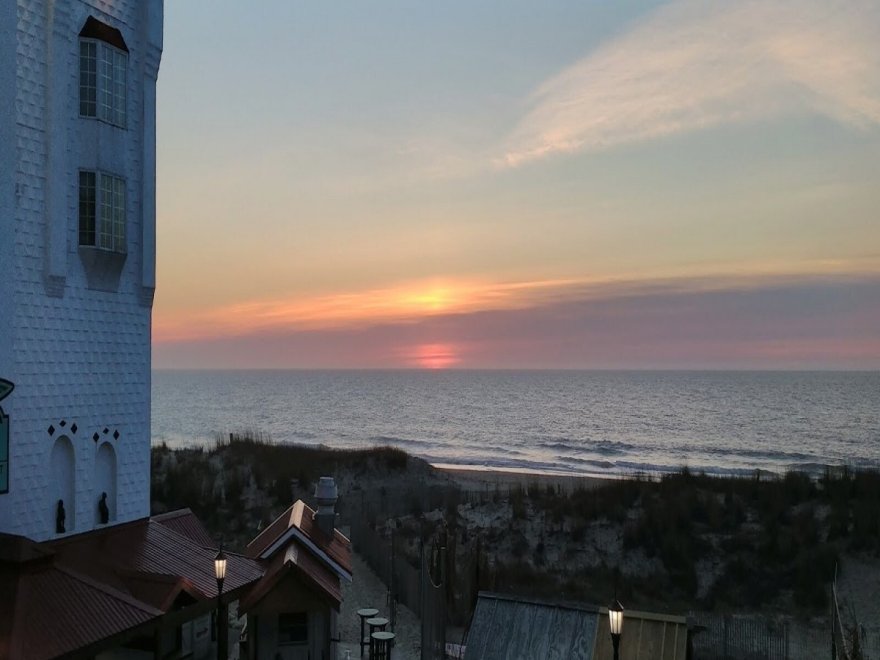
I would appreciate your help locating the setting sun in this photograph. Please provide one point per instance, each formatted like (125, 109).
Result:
(434, 356)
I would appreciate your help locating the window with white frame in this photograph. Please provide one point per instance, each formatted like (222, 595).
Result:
(103, 73)
(102, 211)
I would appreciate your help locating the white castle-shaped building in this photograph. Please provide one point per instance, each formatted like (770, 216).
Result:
(85, 571)
(77, 261)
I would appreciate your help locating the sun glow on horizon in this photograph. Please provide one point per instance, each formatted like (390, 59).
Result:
(415, 301)
(360, 308)
(434, 356)
(434, 300)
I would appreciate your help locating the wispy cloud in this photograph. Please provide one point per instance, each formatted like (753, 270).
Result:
(696, 63)
(403, 303)
(813, 323)
(414, 302)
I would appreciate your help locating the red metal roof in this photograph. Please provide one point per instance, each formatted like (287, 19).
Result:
(98, 585)
(271, 534)
(76, 609)
(302, 564)
(18, 549)
(185, 522)
(94, 586)
(301, 516)
(160, 591)
(150, 547)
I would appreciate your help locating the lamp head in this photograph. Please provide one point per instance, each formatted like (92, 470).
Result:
(615, 617)
(220, 566)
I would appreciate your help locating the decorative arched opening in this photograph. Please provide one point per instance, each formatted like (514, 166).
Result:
(105, 483)
(63, 493)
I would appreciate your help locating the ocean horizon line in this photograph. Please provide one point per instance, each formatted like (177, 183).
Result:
(690, 370)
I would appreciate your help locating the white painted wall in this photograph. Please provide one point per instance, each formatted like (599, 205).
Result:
(74, 353)
(105, 480)
(7, 183)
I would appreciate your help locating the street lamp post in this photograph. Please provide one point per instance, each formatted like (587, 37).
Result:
(615, 622)
(222, 616)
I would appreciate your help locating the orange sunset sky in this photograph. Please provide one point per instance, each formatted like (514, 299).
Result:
(577, 185)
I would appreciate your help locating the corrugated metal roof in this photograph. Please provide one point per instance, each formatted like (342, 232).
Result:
(75, 609)
(96, 585)
(505, 628)
(304, 566)
(271, 534)
(148, 546)
(160, 591)
(93, 586)
(187, 523)
(509, 628)
(301, 516)
(18, 549)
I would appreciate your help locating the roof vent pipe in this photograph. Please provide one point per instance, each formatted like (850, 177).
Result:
(326, 494)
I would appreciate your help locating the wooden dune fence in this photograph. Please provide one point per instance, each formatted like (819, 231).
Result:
(725, 637)
(406, 584)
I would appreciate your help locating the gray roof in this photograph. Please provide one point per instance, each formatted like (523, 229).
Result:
(512, 628)
(505, 628)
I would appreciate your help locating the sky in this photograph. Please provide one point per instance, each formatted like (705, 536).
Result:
(590, 184)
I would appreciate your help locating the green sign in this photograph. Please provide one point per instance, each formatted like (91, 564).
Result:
(5, 389)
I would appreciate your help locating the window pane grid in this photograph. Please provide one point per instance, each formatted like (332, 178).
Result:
(119, 86)
(118, 214)
(88, 82)
(106, 84)
(111, 231)
(87, 208)
(103, 82)
(105, 234)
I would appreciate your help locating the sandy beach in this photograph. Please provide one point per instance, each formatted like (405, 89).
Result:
(477, 479)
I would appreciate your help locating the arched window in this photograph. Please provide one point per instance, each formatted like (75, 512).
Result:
(105, 482)
(62, 487)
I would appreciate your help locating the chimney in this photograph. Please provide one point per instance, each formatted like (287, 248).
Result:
(325, 493)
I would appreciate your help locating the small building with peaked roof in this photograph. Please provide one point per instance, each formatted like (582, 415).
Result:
(293, 610)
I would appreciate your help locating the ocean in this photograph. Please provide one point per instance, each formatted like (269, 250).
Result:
(606, 423)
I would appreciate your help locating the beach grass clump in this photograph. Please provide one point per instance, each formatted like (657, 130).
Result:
(686, 540)
(245, 480)
(759, 541)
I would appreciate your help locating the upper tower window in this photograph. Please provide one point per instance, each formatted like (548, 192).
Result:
(103, 73)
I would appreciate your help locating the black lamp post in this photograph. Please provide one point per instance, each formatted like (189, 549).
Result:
(615, 622)
(222, 617)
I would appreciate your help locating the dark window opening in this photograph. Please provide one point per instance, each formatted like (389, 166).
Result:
(95, 29)
(293, 628)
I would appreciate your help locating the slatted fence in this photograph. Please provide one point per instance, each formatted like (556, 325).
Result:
(728, 637)
(413, 587)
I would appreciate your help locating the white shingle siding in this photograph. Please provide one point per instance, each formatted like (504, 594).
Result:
(75, 354)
